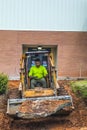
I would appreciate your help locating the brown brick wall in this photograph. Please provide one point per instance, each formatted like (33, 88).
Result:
(72, 50)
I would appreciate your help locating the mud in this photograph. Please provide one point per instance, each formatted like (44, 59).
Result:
(77, 120)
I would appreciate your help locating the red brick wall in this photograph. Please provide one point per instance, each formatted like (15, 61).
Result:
(72, 50)
(9, 54)
(73, 54)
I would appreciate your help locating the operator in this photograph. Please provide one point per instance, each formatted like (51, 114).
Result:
(37, 74)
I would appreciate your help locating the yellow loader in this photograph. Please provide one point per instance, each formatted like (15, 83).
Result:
(39, 102)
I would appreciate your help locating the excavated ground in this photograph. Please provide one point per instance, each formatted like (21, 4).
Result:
(77, 120)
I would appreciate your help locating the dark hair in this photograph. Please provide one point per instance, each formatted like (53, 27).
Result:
(37, 60)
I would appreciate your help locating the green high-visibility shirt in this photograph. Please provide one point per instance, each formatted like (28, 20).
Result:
(38, 72)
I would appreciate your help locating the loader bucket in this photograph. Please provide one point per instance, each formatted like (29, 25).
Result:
(31, 108)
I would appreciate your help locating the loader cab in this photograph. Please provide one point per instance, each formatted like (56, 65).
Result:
(33, 54)
(47, 60)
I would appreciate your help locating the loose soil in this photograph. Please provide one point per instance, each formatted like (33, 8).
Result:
(40, 108)
(77, 120)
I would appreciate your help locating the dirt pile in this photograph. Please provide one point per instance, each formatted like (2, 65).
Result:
(4, 120)
(77, 120)
(3, 103)
(13, 84)
(79, 116)
(40, 108)
(13, 89)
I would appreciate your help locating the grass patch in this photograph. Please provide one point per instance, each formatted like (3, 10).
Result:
(3, 83)
(79, 87)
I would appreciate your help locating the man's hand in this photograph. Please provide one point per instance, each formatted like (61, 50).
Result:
(46, 76)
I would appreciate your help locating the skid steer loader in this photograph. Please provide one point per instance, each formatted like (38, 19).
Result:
(38, 102)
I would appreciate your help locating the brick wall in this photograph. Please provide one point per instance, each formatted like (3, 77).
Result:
(72, 50)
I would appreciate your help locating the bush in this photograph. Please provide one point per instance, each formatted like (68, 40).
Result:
(3, 83)
(80, 88)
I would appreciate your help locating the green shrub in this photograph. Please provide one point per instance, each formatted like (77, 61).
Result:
(80, 88)
(3, 83)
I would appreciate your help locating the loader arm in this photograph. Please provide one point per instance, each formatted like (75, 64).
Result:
(53, 71)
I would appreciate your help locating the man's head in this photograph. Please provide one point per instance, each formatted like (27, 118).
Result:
(37, 62)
